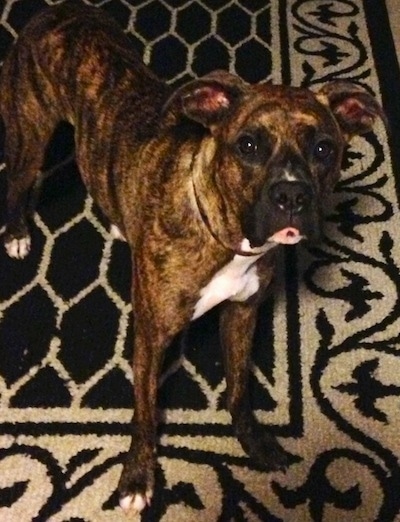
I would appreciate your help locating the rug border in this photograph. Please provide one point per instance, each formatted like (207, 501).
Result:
(388, 71)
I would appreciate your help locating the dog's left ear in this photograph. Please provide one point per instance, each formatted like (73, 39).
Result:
(354, 108)
(207, 100)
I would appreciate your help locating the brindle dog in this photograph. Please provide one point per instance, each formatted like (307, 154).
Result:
(203, 183)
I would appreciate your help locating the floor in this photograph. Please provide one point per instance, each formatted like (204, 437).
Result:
(394, 16)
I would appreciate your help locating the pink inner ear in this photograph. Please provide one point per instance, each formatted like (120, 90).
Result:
(353, 109)
(211, 99)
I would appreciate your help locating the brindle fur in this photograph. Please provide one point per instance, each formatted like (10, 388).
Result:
(165, 168)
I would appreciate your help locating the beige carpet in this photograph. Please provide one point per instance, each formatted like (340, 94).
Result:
(326, 376)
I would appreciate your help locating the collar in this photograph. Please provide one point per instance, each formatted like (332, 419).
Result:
(245, 249)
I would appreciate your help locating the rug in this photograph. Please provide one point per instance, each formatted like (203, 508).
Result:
(326, 368)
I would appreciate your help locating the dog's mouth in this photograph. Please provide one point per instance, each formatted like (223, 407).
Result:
(286, 236)
(289, 235)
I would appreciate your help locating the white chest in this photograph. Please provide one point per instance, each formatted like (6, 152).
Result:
(236, 281)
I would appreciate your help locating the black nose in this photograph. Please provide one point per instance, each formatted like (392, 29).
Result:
(291, 196)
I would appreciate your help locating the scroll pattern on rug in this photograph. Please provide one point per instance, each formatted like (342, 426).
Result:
(325, 376)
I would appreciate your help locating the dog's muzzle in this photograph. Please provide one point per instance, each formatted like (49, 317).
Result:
(291, 197)
(285, 213)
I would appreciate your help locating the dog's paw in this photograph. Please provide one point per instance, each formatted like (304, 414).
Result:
(135, 504)
(266, 452)
(136, 484)
(18, 248)
(270, 455)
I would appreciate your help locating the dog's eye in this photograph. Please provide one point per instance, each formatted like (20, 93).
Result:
(324, 150)
(247, 145)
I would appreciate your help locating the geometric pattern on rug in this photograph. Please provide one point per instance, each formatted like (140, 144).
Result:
(326, 370)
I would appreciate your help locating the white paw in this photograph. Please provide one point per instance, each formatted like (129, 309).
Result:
(116, 233)
(135, 503)
(18, 248)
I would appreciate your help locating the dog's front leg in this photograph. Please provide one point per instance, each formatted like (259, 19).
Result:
(137, 480)
(237, 325)
(156, 322)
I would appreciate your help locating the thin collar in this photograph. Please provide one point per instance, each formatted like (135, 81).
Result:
(237, 251)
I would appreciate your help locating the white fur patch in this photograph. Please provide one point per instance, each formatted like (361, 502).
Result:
(18, 248)
(116, 233)
(126, 503)
(288, 176)
(135, 503)
(236, 281)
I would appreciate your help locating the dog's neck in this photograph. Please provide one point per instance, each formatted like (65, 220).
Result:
(244, 249)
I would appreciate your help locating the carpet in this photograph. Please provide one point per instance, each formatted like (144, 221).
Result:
(326, 366)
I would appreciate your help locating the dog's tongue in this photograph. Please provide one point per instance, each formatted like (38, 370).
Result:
(287, 236)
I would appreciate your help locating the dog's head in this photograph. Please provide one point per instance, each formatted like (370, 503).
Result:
(271, 154)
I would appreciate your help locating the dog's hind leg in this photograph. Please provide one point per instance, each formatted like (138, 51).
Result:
(24, 159)
(30, 115)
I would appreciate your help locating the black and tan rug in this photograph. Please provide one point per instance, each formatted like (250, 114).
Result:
(326, 376)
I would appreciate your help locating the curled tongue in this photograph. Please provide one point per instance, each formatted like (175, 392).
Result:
(287, 236)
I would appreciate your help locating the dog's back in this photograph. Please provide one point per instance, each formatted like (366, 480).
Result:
(73, 63)
(67, 56)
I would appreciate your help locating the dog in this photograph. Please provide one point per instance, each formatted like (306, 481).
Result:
(203, 182)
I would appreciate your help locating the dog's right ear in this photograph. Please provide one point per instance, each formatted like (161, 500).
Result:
(207, 100)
